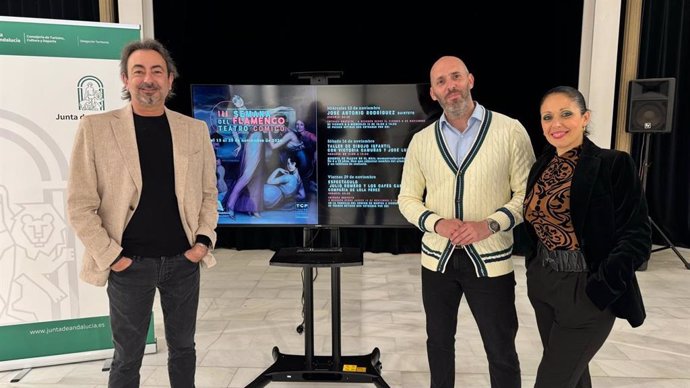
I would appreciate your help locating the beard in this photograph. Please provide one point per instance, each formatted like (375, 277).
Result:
(148, 99)
(459, 107)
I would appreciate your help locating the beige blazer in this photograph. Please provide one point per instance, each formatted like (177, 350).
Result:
(104, 185)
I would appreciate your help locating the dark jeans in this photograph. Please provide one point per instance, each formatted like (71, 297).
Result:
(571, 327)
(492, 302)
(131, 293)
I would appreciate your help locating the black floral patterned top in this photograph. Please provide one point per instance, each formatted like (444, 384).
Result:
(547, 204)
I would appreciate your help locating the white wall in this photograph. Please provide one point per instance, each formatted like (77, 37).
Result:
(598, 65)
(139, 12)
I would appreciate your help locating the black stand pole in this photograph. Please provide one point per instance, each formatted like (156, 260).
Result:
(335, 302)
(644, 166)
(308, 236)
(335, 368)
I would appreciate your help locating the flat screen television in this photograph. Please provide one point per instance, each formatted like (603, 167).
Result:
(311, 155)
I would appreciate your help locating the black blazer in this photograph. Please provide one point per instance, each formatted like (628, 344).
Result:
(609, 214)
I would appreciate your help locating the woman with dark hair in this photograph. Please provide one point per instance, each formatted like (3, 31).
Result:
(586, 216)
(289, 144)
(283, 186)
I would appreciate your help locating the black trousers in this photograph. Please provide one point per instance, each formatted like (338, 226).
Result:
(492, 302)
(571, 327)
(131, 294)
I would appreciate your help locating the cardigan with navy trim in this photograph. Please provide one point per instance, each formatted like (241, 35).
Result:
(489, 182)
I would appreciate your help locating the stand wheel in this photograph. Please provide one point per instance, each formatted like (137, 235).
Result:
(276, 353)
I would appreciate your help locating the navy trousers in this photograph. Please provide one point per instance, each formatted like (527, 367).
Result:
(131, 293)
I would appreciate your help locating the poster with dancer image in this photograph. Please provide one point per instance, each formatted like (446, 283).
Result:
(265, 144)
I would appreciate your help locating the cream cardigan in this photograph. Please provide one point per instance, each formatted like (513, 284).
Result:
(488, 183)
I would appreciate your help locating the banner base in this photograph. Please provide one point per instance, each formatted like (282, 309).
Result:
(66, 358)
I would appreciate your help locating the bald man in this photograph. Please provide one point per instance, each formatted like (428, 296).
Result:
(463, 185)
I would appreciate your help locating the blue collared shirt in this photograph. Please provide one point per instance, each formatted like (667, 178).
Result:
(459, 143)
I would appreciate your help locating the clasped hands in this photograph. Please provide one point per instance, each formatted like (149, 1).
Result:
(463, 232)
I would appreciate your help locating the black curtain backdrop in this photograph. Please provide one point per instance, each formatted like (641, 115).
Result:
(665, 52)
(513, 62)
(84, 10)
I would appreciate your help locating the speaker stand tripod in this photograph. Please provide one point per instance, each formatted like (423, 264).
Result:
(644, 165)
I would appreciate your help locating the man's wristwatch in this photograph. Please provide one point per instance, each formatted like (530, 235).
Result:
(494, 226)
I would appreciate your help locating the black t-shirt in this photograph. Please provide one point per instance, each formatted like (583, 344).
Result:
(155, 228)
